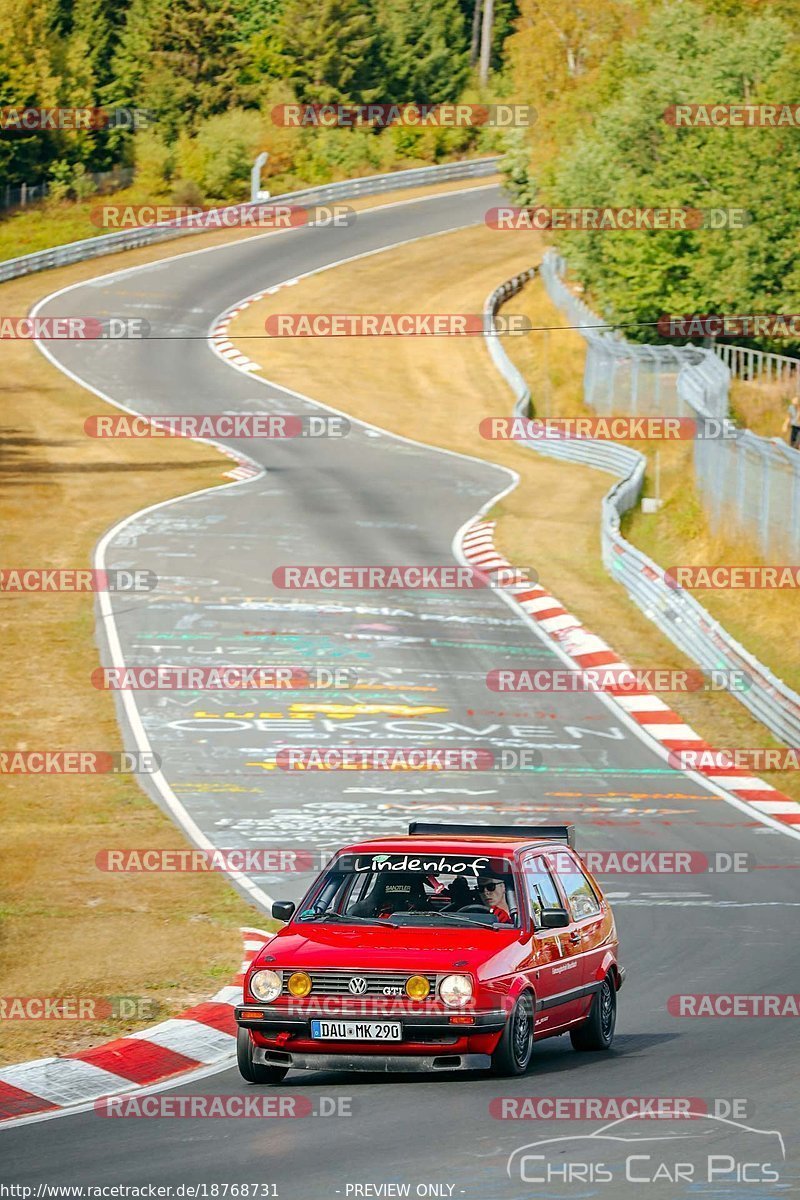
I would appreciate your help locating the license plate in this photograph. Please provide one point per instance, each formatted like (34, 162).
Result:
(357, 1031)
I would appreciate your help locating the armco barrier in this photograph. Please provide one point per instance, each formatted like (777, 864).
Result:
(676, 613)
(749, 482)
(129, 239)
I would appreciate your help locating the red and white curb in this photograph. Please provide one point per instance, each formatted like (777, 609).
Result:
(643, 706)
(220, 338)
(224, 348)
(199, 1037)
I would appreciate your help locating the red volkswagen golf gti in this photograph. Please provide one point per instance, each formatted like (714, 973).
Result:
(455, 947)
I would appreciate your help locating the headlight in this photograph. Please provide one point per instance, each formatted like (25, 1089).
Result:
(456, 990)
(265, 985)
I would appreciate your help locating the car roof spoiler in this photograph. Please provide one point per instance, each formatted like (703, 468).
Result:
(551, 833)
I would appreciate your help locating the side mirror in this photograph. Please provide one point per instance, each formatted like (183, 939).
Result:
(282, 910)
(552, 918)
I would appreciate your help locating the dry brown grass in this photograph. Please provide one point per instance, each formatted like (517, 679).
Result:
(67, 928)
(439, 389)
(761, 406)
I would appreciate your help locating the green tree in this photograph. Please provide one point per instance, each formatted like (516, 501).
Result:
(632, 156)
(30, 51)
(180, 59)
(425, 50)
(326, 52)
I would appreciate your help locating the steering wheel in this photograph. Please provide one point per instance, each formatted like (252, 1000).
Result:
(474, 908)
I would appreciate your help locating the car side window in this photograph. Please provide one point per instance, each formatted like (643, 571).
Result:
(580, 895)
(542, 892)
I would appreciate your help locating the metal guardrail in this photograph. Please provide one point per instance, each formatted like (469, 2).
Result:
(676, 613)
(761, 366)
(367, 185)
(751, 481)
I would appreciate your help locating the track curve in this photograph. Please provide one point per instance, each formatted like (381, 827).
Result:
(373, 498)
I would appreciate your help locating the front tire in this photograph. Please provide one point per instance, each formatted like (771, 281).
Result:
(597, 1031)
(251, 1071)
(515, 1048)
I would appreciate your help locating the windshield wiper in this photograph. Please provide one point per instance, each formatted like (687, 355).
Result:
(350, 919)
(459, 920)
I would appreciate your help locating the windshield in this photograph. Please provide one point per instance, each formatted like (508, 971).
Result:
(415, 889)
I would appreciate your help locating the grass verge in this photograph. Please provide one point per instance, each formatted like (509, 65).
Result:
(66, 928)
(40, 226)
(437, 390)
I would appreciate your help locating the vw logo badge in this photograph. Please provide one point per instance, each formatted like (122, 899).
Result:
(358, 985)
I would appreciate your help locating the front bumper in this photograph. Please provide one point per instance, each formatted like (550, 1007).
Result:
(417, 1027)
(390, 1063)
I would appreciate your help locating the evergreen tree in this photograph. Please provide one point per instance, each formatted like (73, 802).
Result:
(30, 51)
(631, 156)
(327, 52)
(425, 50)
(179, 58)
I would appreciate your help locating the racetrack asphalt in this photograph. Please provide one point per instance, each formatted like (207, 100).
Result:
(420, 659)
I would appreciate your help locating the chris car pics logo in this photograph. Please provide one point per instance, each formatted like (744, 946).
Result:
(719, 1152)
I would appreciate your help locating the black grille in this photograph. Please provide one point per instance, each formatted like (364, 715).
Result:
(337, 983)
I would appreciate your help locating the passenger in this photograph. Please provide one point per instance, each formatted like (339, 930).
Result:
(460, 893)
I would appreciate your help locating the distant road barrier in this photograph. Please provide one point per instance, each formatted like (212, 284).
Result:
(748, 482)
(130, 239)
(676, 613)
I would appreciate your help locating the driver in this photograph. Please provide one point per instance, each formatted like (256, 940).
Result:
(492, 891)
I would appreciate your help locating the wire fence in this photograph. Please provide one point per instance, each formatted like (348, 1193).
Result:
(750, 485)
(19, 196)
(676, 613)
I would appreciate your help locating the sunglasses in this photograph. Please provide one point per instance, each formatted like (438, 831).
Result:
(489, 887)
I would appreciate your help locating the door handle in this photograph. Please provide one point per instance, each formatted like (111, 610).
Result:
(575, 937)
